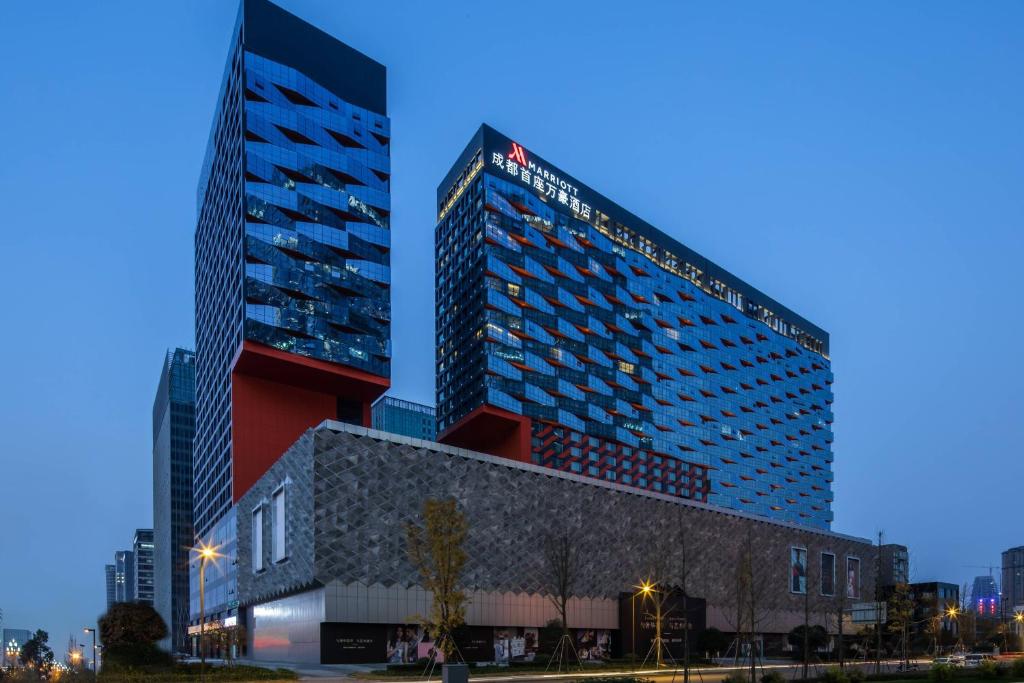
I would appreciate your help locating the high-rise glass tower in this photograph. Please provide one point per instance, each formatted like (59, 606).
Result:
(398, 416)
(142, 557)
(124, 576)
(174, 427)
(292, 279)
(574, 335)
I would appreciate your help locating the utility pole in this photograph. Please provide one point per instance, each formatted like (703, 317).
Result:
(878, 608)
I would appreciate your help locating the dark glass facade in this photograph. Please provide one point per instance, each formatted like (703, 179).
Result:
(396, 416)
(174, 426)
(142, 556)
(572, 334)
(292, 256)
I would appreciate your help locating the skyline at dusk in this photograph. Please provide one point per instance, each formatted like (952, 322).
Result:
(859, 164)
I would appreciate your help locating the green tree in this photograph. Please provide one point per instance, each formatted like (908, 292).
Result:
(711, 641)
(129, 633)
(812, 637)
(35, 653)
(436, 549)
(900, 618)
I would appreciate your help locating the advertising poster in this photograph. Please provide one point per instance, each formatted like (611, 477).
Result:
(593, 644)
(515, 644)
(403, 643)
(798, 570)
(852, 577)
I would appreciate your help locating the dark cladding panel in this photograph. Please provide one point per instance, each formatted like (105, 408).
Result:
(273, 33)
(352, 643)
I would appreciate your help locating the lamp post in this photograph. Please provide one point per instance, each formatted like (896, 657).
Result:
(93, 632)
(643, 589)
(206, 553)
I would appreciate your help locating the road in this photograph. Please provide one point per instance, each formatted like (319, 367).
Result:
(343, 674)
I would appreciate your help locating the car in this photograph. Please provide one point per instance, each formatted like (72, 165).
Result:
(957, 660)
(942, 660)
(973, 661)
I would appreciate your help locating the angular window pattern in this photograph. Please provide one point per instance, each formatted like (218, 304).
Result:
(558, 312)
(292, 244)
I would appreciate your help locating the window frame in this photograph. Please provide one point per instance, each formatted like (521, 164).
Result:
(258, 565)
(857, 592)
(792, 552)
(821, 572)
(279, 525)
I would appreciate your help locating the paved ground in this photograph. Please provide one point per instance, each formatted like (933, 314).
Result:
(342, 673)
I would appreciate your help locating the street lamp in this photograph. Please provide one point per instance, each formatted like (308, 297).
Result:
(12, 651)
(644, 589)
(206, 553)
(93, 632)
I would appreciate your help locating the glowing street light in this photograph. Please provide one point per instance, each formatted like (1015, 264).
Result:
(645, 588)
(87, 631)
(206, 553)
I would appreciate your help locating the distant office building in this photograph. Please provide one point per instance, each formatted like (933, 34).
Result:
(14, 640)
(895, 564)
(931, 600)
(292, 268)
(396, 416)
(174, 427)
(124, 576)
(985, 596)
(110, 574)
(573, 335)
(142, 552)
(1013, 577)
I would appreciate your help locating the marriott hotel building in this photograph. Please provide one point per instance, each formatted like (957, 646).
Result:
(573, 335)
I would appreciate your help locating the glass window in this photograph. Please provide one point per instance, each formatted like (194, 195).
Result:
(257, 539)
(279, 525)
(828, 574)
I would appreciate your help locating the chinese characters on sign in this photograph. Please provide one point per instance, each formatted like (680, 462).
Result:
(541, 179)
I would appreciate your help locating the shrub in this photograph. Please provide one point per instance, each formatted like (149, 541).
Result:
(1017, 668)
(941, 672)
(773, 677)
(988, 669)
(736, 677)
(856, 675)
(711, 641)
(834, 674)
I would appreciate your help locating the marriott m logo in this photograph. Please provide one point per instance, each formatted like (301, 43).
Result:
(518, 154)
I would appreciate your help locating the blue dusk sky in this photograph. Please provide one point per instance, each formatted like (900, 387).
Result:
(861, 162)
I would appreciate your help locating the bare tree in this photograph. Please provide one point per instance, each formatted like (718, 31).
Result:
(683, 574)
(753, 596)
(561, 559)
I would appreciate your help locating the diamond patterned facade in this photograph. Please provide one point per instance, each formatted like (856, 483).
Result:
(631, 358)
(351, 490)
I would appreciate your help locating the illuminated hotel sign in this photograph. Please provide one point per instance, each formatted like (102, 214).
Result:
(517, 164)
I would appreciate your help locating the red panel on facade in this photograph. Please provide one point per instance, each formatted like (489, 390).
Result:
(493, 431)
(276, 396)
